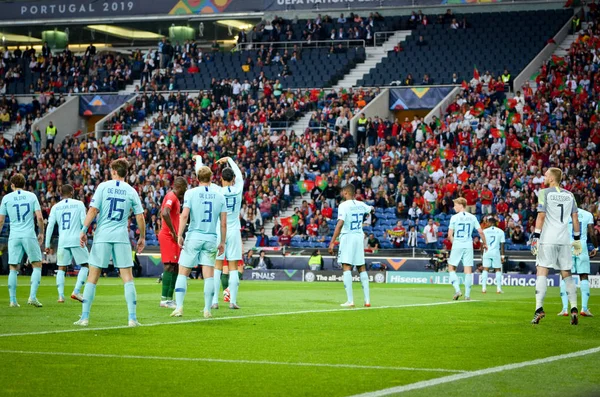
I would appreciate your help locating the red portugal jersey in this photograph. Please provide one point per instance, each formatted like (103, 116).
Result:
(172, 202)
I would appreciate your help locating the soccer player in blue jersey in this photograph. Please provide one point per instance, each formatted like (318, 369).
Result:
(21, 206)
(112, 204)
(494, 256)
(232, 188)
(70, 215)
(581, 263)
(351, 251)
(460, 234)
(203, 206)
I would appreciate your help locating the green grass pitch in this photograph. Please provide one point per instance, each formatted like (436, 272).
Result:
(293, 339)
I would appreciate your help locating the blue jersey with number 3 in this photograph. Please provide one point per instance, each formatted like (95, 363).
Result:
(70, 215)
(206, 204)
(463, 225)
(20, 207)
(114, 200)
(352, 213)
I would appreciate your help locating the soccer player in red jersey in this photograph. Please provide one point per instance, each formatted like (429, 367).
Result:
(167, 239)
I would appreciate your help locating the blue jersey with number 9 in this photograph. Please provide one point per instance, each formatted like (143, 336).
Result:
(206, 204)
(352, 213)
(114, 200)
(463, 224)
(20, 207)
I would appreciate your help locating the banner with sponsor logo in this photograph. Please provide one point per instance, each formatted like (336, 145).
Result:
(274, 275)
(92, 105)
(337, 276)
(510, 280)
(417, 98)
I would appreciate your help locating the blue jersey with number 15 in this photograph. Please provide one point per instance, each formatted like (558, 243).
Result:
(206, 204)
(114, 200)
(463, 225)
(352, 213)
(20, 207)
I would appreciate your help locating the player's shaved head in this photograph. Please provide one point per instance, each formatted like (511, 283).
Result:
(228, 175)
(18, 181)
(556, 174)
(180, 183)
(66, 191)
(120, 166)
(204, 174)
(349, 189)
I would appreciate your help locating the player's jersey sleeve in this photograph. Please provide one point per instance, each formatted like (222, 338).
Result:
(368, 208)
(136, 203)
(98, 198)
(541, 207)
(3, 207)
(476, 225)
(82, 213)
(574, 208)
(452, 222)
(239, 177)
(187, 199)
(342, 213)
(50, 227)
(501, 236)
(35, 202)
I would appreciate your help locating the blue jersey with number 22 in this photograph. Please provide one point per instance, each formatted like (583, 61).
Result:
(114, 200)
(352, 213)
(463, 225)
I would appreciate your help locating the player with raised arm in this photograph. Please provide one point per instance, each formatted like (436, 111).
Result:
(112, 203)
(460, 234)
(203, 206)
(494, 256)
(232, 182)
(551, 241)
(581, 263)
(69, 214)
(167, 239)
(21, 206)
(351, 251)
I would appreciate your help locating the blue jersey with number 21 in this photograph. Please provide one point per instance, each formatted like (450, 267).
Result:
(463, 225)
(352, 213)
(206, 204)
(114, 200)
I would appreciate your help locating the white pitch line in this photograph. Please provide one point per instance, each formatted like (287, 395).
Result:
(199, 320)
(466, 375)
(220, 360)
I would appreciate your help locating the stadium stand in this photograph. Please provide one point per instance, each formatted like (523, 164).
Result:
(487, 40)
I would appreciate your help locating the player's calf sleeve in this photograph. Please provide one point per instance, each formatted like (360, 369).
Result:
(36, 278)
(348, 285)
(60, 283)
(166, 285)
(571, 291)
(234, 285)
(172, 285)
(12, 285)
(88, 298)
(585, 294)
(225, 281)
(454, 281)
(81, 279)
(563, 295)
(540, 291)
(217, 287)
(209, 291)
(468, 284)
(364, 280)
(131, 299)
(484, 279)
(180, 289)
(498, 280)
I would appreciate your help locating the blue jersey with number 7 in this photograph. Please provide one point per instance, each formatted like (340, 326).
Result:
(206, 204)
(352, 213)
(20, 207)
(114, 200)
(463, 224)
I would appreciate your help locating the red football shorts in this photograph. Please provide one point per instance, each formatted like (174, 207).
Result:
(169, 249)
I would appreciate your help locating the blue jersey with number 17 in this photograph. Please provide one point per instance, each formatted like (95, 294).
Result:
(20, 207)
(114, 200)
(206, 204)
(463, 225)
(352, 213)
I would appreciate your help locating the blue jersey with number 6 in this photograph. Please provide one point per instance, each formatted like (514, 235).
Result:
(463, 225)
(69, 214)
(114, 200)
(20, 207)
(206, 204)
(352, 213)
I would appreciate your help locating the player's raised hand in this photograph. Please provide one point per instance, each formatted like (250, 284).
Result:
(141, 244)
(222, 160)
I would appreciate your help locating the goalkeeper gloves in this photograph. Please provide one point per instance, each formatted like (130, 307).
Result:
(534, 243)
(577, 244)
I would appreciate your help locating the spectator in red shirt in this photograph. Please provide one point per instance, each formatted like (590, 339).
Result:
(501, 207)
(471, 195)
(327, 211)
(487, 197)
(286, 238)
(312, 228)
